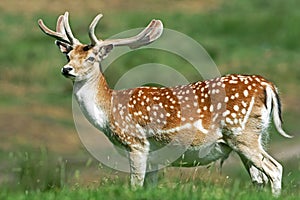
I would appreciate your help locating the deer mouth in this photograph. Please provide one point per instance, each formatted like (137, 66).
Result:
(69, 76)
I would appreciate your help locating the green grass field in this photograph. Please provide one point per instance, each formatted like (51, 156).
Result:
(41, 156)
(186, 191)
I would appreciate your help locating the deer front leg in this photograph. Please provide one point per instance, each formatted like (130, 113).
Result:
(138, 165)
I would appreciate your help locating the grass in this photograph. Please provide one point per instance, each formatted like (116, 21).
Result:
(250, 37)
(40, 176)
(179, 191)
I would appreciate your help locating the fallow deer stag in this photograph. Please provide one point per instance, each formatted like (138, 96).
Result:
(212, 117)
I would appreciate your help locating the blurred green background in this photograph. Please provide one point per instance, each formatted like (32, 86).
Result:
(39, 147)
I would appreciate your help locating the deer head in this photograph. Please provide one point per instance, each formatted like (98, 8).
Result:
(85, 59)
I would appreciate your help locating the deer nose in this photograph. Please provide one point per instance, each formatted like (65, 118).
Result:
(65, 70)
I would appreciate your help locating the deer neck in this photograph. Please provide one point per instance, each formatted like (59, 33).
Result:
(94, 98)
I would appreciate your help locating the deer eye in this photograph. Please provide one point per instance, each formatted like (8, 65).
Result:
(91, 59)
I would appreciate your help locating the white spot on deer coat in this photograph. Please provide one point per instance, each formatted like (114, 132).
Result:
(219, 106)
(245, 93)
(211, 108)
(226, 99)
(227, 112)
(236, 107)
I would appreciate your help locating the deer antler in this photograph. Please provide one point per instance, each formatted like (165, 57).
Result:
(92, 35)
(63, 31)
(68, 30)
(64, 34)
(152, 32)
(57, 35)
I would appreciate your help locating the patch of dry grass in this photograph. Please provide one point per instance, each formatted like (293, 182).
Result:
(83, 7)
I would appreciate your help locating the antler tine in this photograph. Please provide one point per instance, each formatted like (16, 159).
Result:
(58, 35)
(151, 33)
(68, 30)
(60, 25)
(92, 35)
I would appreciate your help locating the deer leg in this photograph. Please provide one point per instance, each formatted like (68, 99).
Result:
(253, 152)
(257, 176)
(138, 163)
(274, 171)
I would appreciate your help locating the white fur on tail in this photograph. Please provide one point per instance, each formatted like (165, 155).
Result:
(273, 104)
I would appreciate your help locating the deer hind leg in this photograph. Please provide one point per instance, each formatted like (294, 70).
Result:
(274, 171)
(248, 146)
(258, 177)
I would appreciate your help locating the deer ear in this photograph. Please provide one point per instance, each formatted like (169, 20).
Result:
(104, 51)
(63, 47)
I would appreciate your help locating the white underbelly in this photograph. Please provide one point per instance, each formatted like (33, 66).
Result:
(202, 155)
